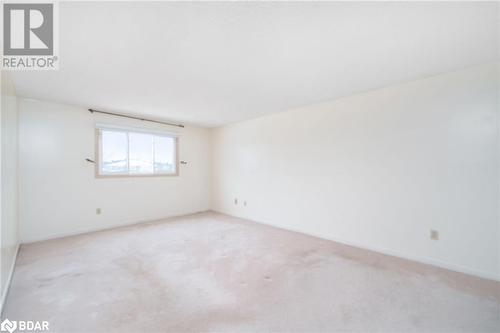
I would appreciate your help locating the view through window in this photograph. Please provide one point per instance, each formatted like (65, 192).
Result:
(127, 152)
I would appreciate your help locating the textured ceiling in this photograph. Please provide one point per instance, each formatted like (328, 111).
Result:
(215, 63)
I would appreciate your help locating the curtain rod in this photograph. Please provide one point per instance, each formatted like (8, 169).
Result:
(137, 118)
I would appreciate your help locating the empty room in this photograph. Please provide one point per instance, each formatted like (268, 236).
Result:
(250, 166)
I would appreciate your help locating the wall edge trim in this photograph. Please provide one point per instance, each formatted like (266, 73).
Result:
(385, 251)
(9, 279)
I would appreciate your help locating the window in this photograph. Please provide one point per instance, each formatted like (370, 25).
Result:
(123, 152)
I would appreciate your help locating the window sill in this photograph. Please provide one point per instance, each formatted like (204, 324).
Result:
(138, 175)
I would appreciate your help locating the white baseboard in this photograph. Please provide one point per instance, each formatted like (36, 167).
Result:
(390, 252)
(95, 229)
(9, 279)
(394, 253)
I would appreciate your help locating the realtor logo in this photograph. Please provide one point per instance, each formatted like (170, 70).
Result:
(29, 36)
(28, 29)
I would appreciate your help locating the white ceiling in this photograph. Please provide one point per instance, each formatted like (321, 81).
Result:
(215, 63)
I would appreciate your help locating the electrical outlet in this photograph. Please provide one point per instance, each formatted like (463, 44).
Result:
(235, 201)
(98, 211)
(434, 235)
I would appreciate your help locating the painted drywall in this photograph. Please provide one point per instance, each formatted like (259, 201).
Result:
(58, 190)
(8, 180)
(377, 170)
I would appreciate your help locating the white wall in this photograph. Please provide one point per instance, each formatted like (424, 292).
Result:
(377, 170)
(59, 193)
(8, 180)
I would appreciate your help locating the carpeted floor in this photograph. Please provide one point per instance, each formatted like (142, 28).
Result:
(211, 272)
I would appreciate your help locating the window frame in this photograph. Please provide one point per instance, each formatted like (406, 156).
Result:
(127, 130)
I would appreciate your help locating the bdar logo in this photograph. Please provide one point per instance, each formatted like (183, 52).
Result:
(24, 325)
(8, 325)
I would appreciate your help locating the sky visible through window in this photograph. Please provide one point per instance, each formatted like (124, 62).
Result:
(136, 153)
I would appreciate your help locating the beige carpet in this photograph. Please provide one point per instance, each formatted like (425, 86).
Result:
(210, 272)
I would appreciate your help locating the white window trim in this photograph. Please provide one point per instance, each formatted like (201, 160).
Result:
(135, 129)
(98, 151)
